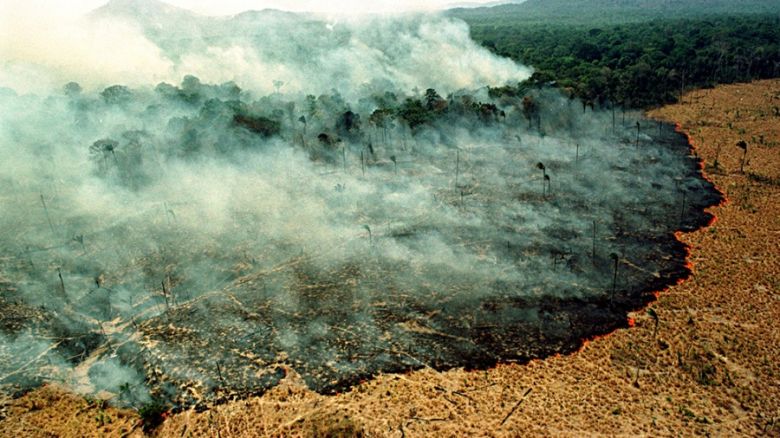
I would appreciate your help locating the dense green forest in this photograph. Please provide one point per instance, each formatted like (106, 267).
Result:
(637, 60)
(607, 12)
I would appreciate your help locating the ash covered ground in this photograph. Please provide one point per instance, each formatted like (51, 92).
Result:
(188, 242)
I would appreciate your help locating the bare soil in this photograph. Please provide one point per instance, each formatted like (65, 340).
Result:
(703, 362)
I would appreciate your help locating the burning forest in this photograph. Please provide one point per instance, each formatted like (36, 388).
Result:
(344, 199)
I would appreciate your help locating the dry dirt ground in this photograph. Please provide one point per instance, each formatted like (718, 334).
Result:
(704, 361)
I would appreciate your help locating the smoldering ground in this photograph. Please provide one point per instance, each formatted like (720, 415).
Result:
(190, 241)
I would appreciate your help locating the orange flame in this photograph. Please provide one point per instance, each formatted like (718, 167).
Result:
(587, 341)
(678, 128)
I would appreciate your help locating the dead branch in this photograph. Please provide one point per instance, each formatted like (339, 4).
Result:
(517, 405)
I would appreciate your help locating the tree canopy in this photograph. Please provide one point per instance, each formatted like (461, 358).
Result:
(639, 64)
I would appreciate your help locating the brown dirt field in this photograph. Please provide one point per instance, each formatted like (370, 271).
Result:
(711, 368)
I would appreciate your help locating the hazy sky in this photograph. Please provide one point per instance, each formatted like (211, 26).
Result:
(224, 7)
(232, 6)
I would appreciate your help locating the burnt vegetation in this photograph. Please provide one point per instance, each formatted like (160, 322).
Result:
(188, 242)
(340, 315)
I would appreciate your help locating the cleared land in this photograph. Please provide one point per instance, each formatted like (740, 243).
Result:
(708, 366)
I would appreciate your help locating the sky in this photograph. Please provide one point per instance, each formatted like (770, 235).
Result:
(227, 7)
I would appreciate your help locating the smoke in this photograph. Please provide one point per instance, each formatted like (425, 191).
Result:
(187, 241)
(146, 42)
(41, 48)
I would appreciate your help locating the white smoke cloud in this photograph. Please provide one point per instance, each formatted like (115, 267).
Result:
(131, 44)
(41, 50)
